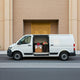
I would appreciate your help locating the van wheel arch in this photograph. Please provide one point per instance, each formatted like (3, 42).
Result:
(65, 53)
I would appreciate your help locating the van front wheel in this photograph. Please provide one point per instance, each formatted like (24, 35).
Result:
(17, 56)
(64, 56)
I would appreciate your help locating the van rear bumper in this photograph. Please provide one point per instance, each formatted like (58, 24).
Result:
(72, 54)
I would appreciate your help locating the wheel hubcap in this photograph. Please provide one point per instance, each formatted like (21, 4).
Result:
(17, 56)
(64, 56)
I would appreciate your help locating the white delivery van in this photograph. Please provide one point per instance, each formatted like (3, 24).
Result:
(52, 45)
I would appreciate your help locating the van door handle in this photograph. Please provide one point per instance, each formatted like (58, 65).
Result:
(29, 45)
(52, 45)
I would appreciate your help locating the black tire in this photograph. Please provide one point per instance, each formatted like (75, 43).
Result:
(64, 56)
(17, 56)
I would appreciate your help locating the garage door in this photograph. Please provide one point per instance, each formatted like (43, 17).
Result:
(40, 28)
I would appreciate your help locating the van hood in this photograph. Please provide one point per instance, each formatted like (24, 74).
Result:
(12, 45)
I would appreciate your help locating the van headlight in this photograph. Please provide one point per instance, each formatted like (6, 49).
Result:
(9, 47)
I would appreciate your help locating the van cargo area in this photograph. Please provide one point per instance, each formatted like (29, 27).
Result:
(40, 43)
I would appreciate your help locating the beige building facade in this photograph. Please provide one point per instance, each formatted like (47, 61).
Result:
(20, 17)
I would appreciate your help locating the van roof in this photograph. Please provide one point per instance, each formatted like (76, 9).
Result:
(51, 34)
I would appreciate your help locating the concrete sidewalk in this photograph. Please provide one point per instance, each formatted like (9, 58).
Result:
(77, 52)
(40, 65)
(5, 52)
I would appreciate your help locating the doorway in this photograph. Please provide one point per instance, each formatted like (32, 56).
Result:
(40, 27)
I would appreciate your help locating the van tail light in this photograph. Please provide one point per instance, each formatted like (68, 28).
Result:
(74, 49)
(74, 45)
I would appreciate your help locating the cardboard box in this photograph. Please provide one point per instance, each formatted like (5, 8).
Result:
(38, 48)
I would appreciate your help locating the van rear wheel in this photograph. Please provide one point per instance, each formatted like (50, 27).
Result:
(64, 56)
(17, 56)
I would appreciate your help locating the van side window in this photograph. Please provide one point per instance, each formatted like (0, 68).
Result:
(25, 40)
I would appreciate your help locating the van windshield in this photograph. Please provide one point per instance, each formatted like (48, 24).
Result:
(25, 40)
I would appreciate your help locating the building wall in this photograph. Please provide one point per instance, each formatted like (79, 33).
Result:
(27, 28)
(13, 12)
(1, 25)
(73, 18)
(54, 27)
(40, 10)
(78, 32)
(6, 24)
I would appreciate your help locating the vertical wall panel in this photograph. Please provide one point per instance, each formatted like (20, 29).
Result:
(73, 19)
(1, 25)
(78, 24)
(8, 37)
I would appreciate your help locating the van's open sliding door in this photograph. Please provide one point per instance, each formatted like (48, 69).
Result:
(41, 48)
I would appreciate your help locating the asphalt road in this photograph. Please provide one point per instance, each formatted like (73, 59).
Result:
(4, 58)
(6, 62)
(40, 74)
(39, 68)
